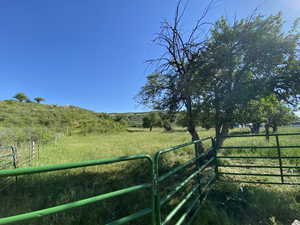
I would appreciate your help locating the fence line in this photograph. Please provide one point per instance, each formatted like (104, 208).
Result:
(280, 167)
(206, 163)
(13, 157)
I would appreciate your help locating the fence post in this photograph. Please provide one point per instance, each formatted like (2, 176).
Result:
(213, 144)
(279, 158)
(198, 164)
(156, 217)
(14, 154)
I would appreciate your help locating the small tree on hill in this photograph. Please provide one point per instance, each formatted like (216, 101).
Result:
(21, 97)
(39, 99)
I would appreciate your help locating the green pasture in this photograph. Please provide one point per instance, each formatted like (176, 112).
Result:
(228, 203)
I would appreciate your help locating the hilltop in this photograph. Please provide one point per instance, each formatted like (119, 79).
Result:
(15, 114)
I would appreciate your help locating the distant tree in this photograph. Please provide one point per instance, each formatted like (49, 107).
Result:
(151, 120)
(269, 111)
(167, 119)
(39, 99)
(21, 97)
(146, 122)
(121, 119)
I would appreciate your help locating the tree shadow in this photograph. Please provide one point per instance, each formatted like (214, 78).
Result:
(40, 191)
(234, 204)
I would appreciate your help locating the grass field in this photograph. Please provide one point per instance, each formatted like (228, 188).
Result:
(228, 203)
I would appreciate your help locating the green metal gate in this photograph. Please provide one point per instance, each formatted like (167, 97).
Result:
(157, 201)
(271, 158)
(193, 196)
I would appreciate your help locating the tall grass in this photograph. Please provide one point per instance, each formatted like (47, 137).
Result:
(227, 203)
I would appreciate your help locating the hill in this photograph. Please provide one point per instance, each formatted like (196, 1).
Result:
(67, 119)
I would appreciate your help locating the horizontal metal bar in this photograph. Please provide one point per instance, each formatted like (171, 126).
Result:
(186, 213)
(179, 205)
(191, 220)
(257, 157)
(259, 147)
(183, 145)
(261, 135)
(168, 174)
(258, 182)
(48, 168)
(131, 217)
(71, 205)
(260, 166)
(182, 184)
(250, 174)
(182, 218)
(291, 175)
(259, 174)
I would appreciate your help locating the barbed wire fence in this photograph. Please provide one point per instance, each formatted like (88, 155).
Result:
(21, 156)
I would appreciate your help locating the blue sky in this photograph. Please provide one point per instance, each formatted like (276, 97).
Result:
(92, 53)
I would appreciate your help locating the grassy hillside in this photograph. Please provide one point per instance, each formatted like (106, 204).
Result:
(21, 117)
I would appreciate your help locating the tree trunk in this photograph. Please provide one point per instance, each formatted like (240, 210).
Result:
(275, 127)
(222, 130)
(191, 125)
(150, 128)
(167, 126)
(267, 127)
(255, 128)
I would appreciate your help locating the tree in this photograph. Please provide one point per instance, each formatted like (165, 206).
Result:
(21, 97)
(247, 60)
(39, 99)
(171, 87)
(151, 120)
(244, 61)
(268, 110)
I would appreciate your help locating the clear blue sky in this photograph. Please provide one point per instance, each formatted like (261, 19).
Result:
(92, 53)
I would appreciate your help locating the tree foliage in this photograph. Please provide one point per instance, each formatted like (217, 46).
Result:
(243, 61)
(21, 97)
(152, 120)
(269, 111)
(39, 99)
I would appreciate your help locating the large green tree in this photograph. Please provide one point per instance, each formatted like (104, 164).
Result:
(244, 61)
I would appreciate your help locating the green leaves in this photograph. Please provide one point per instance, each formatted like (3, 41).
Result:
(21, 97)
